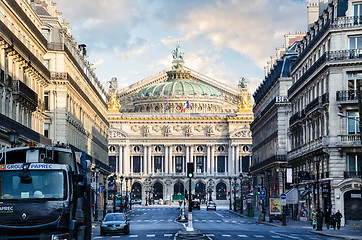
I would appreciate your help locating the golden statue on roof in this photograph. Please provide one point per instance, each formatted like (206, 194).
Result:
(244, 104)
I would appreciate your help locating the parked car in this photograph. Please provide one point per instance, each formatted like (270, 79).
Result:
(211, 205)
(196, 205)
(115, 223)
(136, 201)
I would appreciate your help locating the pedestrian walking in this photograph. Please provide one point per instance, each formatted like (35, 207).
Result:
(314, 218)
(333, 220)
(338, 219)
(327, 218)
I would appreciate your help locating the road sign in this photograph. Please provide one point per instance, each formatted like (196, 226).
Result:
(283, 202)
(262, 195)
(187, 185)
(249, 196)
(283, 196)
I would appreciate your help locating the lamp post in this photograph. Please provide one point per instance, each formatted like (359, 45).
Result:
(96, 196)
(210, 185)
(241, 193)
(319, 214)
(284, 220)
(230, 193)
(250, 204)
(121, 178)
(262, 175)
(235, 190)
(105, 196)
(130, 195)
(126, 196)
(13, 137)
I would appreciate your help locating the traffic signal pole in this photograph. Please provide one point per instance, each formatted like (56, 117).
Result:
(190, 174)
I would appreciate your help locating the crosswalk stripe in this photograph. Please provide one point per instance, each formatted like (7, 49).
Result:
(167, 235)
(242, 236)
(150, 235)
(133, 236)
(210, 235)
(226, 235)
(258, 236)
(97, 237)
(115, 236)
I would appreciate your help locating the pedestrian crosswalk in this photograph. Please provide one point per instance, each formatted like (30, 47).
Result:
(270, 235)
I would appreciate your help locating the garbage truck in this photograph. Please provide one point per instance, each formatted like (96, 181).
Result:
(44, 193)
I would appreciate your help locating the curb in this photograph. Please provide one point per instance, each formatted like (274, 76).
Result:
(333, 236)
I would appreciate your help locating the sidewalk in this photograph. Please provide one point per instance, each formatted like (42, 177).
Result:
(347, 232)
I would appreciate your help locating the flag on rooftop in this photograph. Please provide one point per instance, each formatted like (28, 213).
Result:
(187, 105)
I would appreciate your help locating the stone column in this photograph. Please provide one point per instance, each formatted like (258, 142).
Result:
(120, 160)
(149, 165)
(166, 159)
(126, 160)
(212, 166)
(187, 153)
(208, 159)
(191, 155)
(229, 160)
(131, 159)
(171, 167)
(144, 161)
(237, 158)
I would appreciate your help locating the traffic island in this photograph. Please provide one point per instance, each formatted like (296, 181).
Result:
(188, 234)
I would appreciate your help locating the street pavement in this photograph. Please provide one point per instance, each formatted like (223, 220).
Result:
(159, 222)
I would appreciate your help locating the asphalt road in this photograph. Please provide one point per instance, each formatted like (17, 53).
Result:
(159, 222)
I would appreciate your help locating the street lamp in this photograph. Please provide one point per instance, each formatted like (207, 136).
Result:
(130, 197)
(105, 196)
(234, 189)
(284, 220)
(126, 196)
(13, 137)
(209, 190)
(250, 204)
(230, 192)
(96, 196)
(262, 175)
(241, 193)
(319, 215)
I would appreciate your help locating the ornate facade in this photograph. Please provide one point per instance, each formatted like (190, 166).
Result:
(151, 140)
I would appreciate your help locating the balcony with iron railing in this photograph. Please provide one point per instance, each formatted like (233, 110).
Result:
(349, 140)
(22, 91)
(352, 174)
(346, 96)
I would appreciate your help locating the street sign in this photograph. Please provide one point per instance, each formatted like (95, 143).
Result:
(283, 196)
(262, 195)
(283, 202)
(249, 196)
(187, 185)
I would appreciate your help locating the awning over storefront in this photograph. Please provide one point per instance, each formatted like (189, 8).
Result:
(292, 196)
(306, 191)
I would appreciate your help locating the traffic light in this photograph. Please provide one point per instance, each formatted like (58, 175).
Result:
(258, 191)
(190, 170)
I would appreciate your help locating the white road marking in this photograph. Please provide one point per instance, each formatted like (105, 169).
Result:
(138, 220)
(226, 235)
(242, 236)
(133, 236)
(97, 237)
(167, 235)
(258, 236)
(276, 236)
(210, 235)
(219, 214)
(115, 236)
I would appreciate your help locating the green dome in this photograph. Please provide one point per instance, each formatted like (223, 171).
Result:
(179, 87)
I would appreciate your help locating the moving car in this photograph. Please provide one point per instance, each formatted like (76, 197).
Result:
(211, 205)
(136, 201)
(196, 205)
(115, 223)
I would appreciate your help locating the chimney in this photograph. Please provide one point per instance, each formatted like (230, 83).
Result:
(313, 13)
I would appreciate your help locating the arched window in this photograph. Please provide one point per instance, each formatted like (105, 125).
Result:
(136, 191)
(157, 191)
(221, 191)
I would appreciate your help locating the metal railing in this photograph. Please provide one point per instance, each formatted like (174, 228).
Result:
(347, 95)
(352, 174)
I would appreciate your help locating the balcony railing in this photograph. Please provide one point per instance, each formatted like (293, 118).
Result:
(342, 22)
(348, 95)
(352, 174)
(351, 138)
(21, 89)
(344, 55)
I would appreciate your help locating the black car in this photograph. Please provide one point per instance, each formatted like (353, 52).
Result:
(115, 223)
(196, 205)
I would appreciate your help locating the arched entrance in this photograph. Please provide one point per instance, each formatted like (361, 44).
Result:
(178, 188)
(221, 191)
(200, 192)
(353, 207)
(157, 191)
(136, 191)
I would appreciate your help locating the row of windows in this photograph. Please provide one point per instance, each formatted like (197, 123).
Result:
(199, 148)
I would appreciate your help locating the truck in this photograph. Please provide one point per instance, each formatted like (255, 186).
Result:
(44, 193)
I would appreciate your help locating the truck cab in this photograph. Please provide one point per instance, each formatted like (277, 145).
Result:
(43, 194)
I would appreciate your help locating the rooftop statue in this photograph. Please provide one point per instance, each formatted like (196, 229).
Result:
(177, 54)
(113, 86)
(243, 83)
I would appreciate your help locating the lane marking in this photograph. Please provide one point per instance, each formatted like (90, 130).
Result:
(259, 236)
(167, 235)
(210, 235)
(133, 236)
(97, 237)
(242, 236)
(151, 235)
(276, 236)
(226, 235)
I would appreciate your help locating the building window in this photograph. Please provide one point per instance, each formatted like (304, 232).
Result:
(220, 164)
(157, 164)
(158, 149)
(221, 148)
(245, 160)
(353, 122)
(46, 101)
(136, 149)
(178, 164)
(46, 129)
(354, 163)
(178, 149)
(199, 149)
(136, 164)
(357, 11)
(199, 164)
(352, 81)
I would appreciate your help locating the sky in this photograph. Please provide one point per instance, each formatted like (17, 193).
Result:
(222, 39)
